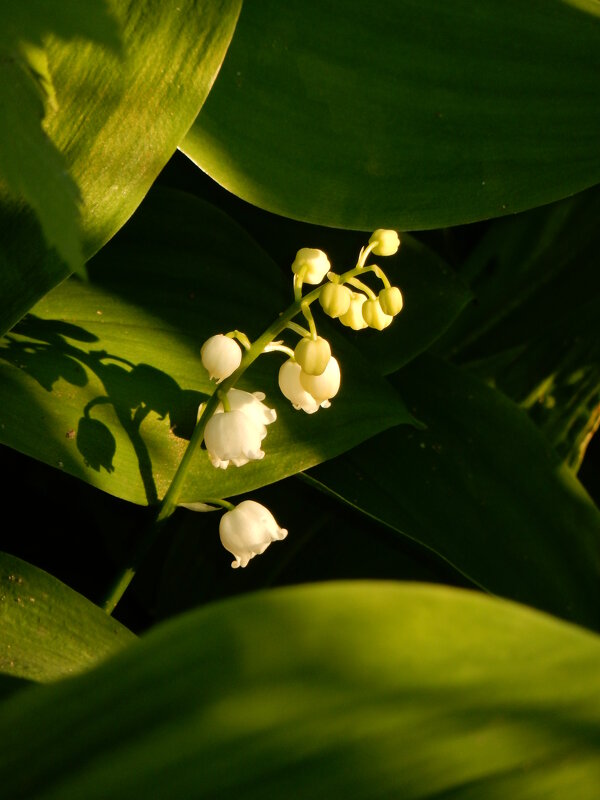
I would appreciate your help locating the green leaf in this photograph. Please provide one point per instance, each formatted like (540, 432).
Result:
(352, 690)
(117, 122)
(65, 19)
(47, 630)
(526, 273)
(482, 488)
(105, 379)
(31, 167)
(556, 377)
(414, 115)
(533, 331)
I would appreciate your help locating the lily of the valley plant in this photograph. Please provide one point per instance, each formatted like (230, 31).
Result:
(233, 423)
(234, 429)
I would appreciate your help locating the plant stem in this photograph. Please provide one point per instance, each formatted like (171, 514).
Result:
(169, 501)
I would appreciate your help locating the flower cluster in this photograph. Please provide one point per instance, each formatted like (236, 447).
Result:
(235, 428)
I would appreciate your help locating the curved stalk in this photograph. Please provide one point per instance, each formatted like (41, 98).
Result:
(170, 500)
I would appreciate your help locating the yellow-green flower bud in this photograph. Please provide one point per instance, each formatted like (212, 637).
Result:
(335, 299)
(391, 301)
(313, 355)
(374, 316)
(353, 318)
(386, 242)
(316, 263)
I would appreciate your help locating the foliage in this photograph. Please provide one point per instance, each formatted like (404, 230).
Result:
(456, 461)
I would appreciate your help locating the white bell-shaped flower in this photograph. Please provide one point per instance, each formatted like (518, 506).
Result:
(231, 436)
(289, 383)
(221, 356)
(247, 530)
(314, 262)
(323, 387)
(252, 406)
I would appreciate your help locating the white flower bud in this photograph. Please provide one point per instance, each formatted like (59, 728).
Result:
(316, 263)
(232, 436)
(374, 316)
(221, 356)
(387, 242)
(313, 355)
(323, 387)
(289, 383)
(247, 530)
(353, 318)
(391, 301)
(335, 299)
(252, 406)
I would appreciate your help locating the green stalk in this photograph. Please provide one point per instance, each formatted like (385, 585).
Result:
(170, 500)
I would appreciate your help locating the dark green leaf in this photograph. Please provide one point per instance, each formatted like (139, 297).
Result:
(105, 379)
(47, 630)
(483, 489)
(411, 115)
(117, 122)
(526, 273)
(556, 377)
(351, 690)
(534, 330)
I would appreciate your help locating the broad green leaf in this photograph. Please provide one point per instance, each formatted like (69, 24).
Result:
(355, 690)
(482, 488)
(117, 122)
(47, 630)
(412, 115)
(105, 379)
(31, 167)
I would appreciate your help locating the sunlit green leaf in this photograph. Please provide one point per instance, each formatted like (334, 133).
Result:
(117, 122)
(47, 630)
(31, 167)
(105, 379)
(482, 488)
(343, 690)
(406, 115)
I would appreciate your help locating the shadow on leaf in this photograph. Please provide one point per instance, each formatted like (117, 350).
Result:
(40, 348)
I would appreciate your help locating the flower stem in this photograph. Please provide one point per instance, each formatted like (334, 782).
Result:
(170, 500)
(360, 285)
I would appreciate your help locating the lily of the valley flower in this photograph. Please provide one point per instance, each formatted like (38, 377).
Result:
(221, 356)
(374, 315)
(233, 437)
(325, 386)
(386, 242)
(251, 405)
(335, 299)
(313, 354)
(353, 318)
(391, 301)
(247, 530)
(289, 383)
(314, 263)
